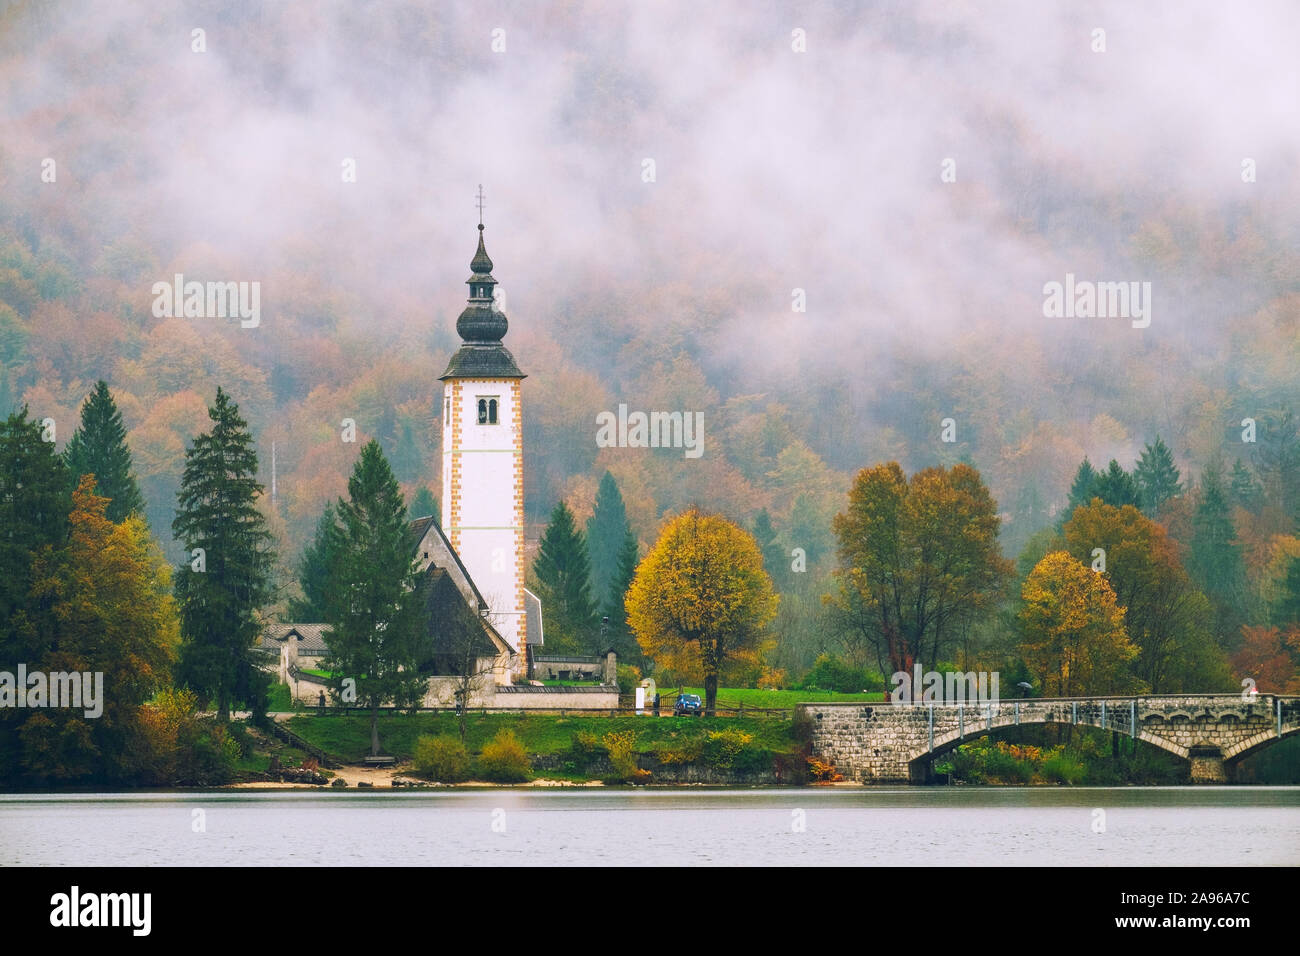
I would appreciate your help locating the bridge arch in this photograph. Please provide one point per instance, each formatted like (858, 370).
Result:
(875, 743)
(1251, 745)
(949, 741)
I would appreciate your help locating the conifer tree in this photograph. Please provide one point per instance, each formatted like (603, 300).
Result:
(373, 601)
(35, 501)
(1215, 562)
(227, 580)
(1081, 490)
(607, 529)
(1278, 463)
(99, 448)
(1245, 488)
(564, 579)
(424, 505)
(314, 572)
(1156, 477)
(619, 634)
(1116, 487)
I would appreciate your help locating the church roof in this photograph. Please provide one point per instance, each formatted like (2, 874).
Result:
(481, 264)
(310, 637)
(447, 613)
(481, 328)
(482, 361)
(421, 527)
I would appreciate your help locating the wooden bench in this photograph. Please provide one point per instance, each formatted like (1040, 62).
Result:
(380, 761)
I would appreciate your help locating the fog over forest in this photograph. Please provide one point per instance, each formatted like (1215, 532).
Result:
(802, 148)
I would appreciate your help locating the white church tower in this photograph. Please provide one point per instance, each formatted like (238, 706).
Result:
(483, 456)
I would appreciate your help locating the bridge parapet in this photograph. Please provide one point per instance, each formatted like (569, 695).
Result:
(885, 743)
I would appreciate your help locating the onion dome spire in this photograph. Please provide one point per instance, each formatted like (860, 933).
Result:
(481, 325)
(481, 264)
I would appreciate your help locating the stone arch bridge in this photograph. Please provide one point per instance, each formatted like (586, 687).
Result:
(891, 743)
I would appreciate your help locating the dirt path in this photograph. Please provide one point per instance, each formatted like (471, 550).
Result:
(381, 778)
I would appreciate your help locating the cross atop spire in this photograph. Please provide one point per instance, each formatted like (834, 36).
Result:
(480, 206)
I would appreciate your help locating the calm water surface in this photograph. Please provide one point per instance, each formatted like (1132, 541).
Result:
(924, 826)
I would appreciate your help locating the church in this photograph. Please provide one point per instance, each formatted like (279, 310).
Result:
(484, 627)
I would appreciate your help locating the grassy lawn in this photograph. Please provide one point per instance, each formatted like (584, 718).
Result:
(349, 737)
(735, 696)
(280, 699)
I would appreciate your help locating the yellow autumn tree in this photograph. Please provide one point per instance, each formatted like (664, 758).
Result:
(107, 608)
(1072, 630)
(701, 598)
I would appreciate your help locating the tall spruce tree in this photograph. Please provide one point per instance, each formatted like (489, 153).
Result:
(620, 635)
(1081, 490)
(99, 448)
(1215, 562)
(314, 572)
(424, 505)
(227, 580)
(1245, 488)
(35, 501)
(1278, 462)
(374, 604)
(1116, 487)
(564, 579)
(607, 529)
(1156, 477)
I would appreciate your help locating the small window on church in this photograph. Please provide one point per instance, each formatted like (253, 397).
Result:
(487, 410)
(492, 411)
(446, 410)
(482, 411)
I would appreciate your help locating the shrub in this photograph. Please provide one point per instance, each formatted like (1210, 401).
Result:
(967, 764)
(585, 750)
(680, 750)
(722, 747)
(629, 679)
(503, 759)
(822, 771)
(1003, 766)
(622, 754)
(1063, 769)
(442, 758)
(832, 673)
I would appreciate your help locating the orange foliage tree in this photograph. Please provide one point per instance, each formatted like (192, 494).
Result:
(701, 598)
(1072, 630)
(1268, 659)
(918, 559)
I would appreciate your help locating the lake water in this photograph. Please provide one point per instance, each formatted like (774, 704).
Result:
(922, 826)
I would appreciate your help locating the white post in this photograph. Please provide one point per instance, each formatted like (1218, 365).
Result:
(640, 700)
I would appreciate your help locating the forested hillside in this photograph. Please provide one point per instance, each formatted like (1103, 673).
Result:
(779, 180)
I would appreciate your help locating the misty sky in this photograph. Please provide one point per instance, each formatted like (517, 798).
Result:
(775, 169)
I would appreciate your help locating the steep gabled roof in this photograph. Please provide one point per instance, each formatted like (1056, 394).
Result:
(310, 637)
(446, 610)
(422, 528)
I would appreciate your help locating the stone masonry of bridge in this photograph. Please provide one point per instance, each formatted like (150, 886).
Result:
(891, 743)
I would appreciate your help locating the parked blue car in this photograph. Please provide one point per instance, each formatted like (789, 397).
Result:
(688, 704)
